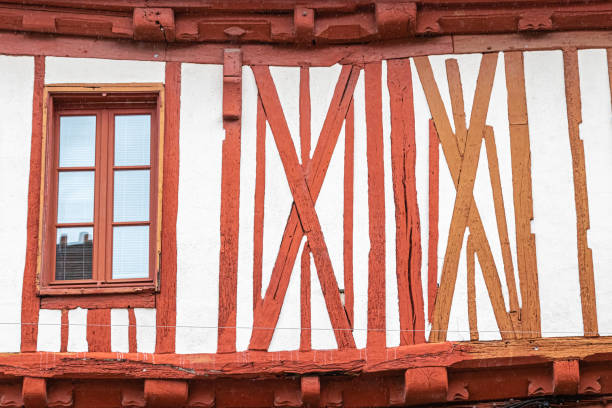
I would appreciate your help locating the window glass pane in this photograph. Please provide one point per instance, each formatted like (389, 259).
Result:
(73, 253)
(131, 196)
(75, 196)
(132, 140)
(131, 252)
(77, 141)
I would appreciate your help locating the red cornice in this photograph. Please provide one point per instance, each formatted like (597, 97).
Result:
(306, 23)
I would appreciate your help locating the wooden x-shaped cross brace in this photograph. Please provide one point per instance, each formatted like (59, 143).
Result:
(303, 218)
(463, 171)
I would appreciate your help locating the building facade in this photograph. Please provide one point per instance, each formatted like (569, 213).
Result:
(322, 203)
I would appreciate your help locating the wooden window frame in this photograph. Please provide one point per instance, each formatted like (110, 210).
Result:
(104, 101)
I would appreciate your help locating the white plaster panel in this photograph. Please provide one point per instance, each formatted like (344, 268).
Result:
(323, 82)
(554, 209)
(145, 330)
(287, 332)
(16, 90)
(421, 136)
(77, 330)
(244, 308)
(596, 132)
(201, 137)
(392, 299)
(361, 238)
(92, 70)
(120, 323)
(49, 330)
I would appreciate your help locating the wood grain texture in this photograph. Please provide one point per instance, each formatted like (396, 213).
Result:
(520, 152)
(99, 330)
(585, 255)
(487, 356)
(267, 313)
(454, 161)
(30, 303)
(433, 215)
(502, 226)
(230, 206)
(464, 197)
(166, 298)
(471, 289)
(305, 292)
(64, 332)
(259, 204)
(407, 219)
(347, 220)
(304, 203)
(132, 331)
(376, 207)
(455, 89)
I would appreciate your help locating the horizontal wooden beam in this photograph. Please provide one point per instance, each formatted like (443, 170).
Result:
(509, 353)
(289, 55)
(307, 24)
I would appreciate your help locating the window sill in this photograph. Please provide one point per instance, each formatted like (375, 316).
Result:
(97, 298)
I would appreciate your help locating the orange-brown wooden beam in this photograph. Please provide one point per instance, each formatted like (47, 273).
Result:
(520, 154)
(585, 255)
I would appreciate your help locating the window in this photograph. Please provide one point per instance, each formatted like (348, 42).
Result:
(101, 198)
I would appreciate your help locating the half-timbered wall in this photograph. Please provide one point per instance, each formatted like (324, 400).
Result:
(374, 155)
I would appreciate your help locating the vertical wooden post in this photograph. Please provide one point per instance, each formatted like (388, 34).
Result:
(30, 303)
(166, 298)
(230, 200)
(434, 193)
(349, 180)
(407, 221)
(99, 330)
(260, 191)
(523, 203)
(305, 335)
(376, 204)
(585, 255)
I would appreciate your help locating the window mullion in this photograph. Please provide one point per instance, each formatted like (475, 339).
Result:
(102, 205)
(110, 159)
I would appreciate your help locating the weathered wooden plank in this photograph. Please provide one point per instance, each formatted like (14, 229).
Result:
(407, 220)
(502, 226)
(64, 332)
(376, 206)
(304, 203)
(99, 330)
(132, 343)
(434, 208)
(454, 160)
(166, 298)
(305, 333)
(230, 204)
(471, 289)
(585, 255)
(266, 315)
(455, 89)
(29, 300)
(520, 152)
(259, 202)
(349, 181)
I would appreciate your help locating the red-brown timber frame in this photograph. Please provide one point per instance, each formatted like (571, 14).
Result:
(195, 32)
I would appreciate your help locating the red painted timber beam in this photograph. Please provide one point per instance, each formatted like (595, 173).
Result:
(313, 23)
